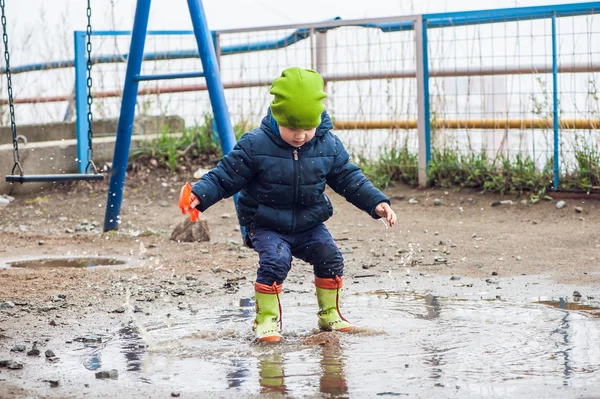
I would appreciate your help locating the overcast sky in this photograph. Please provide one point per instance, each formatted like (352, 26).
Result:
(39, 28)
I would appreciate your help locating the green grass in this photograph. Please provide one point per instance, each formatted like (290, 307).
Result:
(195, 145)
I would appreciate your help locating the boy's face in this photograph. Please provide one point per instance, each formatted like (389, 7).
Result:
(296, 137)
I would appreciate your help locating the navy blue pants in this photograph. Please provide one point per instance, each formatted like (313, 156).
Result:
(275, 250)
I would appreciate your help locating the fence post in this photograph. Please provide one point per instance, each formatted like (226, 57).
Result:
(321, 54)
(423, 119)
(82, 124)
(556, 115)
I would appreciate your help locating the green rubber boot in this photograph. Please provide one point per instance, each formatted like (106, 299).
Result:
(328, 295)
(268, 313)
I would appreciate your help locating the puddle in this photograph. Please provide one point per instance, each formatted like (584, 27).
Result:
(50, 263)
(562, 304)
(426, 346)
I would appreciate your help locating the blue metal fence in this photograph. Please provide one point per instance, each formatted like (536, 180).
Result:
(426, 71)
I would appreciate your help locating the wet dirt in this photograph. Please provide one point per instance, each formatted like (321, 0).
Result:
(460, 300)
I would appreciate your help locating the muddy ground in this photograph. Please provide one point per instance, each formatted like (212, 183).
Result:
(462, 247)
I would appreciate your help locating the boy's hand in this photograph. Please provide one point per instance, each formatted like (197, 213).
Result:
(383, 210)
(194, 201)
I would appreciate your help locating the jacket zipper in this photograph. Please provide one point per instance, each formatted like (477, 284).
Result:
(295, 152)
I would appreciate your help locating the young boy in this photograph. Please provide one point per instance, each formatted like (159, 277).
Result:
(280, 170)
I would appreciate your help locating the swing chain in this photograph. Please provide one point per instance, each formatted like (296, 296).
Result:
(89, 90)
(13, 124)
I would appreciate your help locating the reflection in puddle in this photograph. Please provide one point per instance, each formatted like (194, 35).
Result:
(65, 262)
(408, 345)
(563, 304)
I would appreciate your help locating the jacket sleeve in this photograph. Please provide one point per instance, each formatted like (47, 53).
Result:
(346, 179)
(233, 172)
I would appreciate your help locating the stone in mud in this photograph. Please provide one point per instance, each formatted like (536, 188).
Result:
(561, 204)
(455, 278)
(53, 383)
(18, 348)
(578, 209)
(324, 338)
(186, 231)
(107, 374)
(89, 338)
(34, 352)
(14, 365)
(49, 353)
(7, 305)
(175, 394)
(437, 202)
(413, 201)
(120, 309)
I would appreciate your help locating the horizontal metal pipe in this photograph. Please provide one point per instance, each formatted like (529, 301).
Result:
(455, 72)
(491, 124)
(140, 78)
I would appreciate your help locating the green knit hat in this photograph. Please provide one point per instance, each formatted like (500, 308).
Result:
(298, 101)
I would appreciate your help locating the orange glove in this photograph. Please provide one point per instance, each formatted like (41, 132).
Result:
(185, 201)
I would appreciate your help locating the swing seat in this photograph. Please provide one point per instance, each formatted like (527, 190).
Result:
(64, 177)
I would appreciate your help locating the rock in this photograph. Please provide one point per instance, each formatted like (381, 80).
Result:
(175, 394)
(496, 203)
(41, 242)
(561, 204)
(164, 204)
(578, 209)
(492, 281)
(52, 323)
(576, 296)
(120, 309)
(69, 231)
(186, 231)
(4, 202)
(200, 172)
(18, 348)
(62, 219)
(399, 197)
(4, 363)
(105, 374)
(14, 365)
(34, 352)
(79, 227)
(89, 338)
(57, 299)
(454, 278)
(518, 258)
(7, 305)
(53, 383)
(413, 201)
(494, 273)
(437, 202)
(137, 309)
(49, 353)
(47, 308)
(226, 216)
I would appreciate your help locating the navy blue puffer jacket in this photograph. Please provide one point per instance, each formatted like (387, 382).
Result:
(282, 188)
